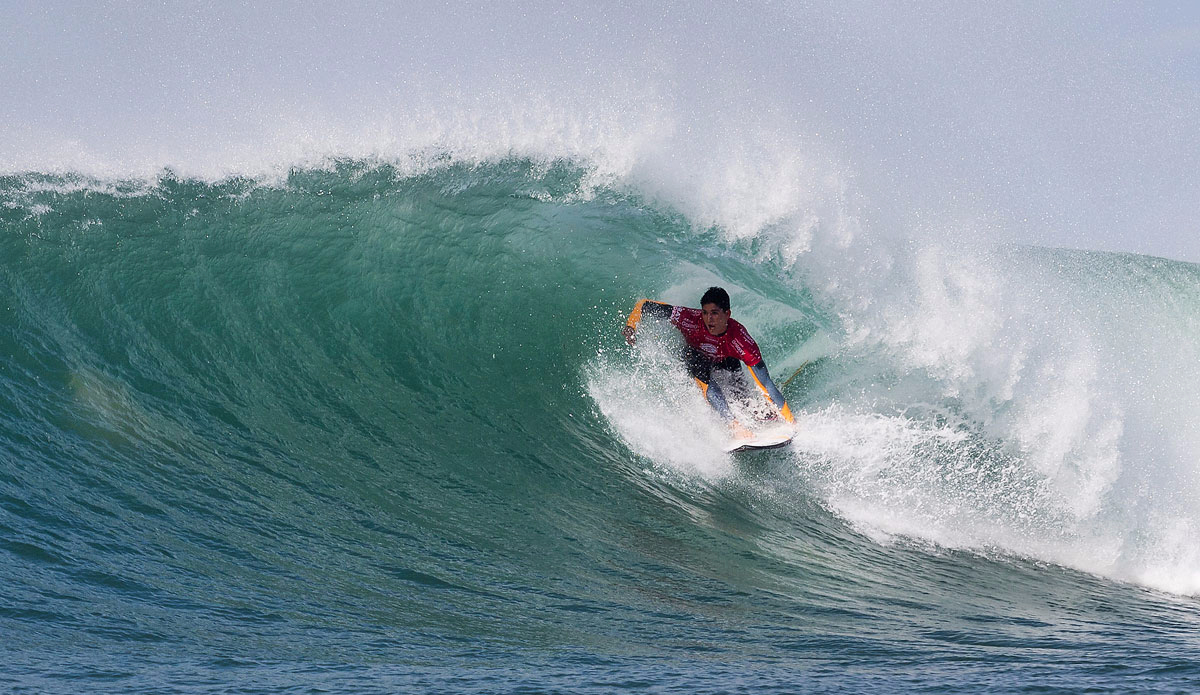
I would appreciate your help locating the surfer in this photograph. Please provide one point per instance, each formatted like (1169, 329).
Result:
(714, 341)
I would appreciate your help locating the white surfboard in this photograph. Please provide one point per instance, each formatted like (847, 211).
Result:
(761, 440)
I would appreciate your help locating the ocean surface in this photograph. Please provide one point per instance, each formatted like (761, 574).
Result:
(370, 426)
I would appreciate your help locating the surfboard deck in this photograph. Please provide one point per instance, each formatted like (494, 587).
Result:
(762, 440)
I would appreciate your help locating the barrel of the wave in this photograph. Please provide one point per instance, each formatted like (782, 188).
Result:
(717, 345)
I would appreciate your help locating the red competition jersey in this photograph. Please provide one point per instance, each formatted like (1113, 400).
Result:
(734, 342)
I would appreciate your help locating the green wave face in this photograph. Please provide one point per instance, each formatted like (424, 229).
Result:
(369, 415)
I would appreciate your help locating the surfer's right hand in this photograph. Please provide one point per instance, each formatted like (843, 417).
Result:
(627, 331)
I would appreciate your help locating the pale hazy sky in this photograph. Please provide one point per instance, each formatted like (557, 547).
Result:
(1072, 125)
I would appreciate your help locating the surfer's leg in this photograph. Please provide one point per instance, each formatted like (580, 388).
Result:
(716, 398)
(763, 378)
(733, 379)
(700, 369)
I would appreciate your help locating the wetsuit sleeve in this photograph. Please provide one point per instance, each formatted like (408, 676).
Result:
(648, 307)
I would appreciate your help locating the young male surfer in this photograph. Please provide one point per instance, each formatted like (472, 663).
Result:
(714, 341)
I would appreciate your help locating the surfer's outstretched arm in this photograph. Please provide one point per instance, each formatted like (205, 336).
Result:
(763, 379)
(644, 307)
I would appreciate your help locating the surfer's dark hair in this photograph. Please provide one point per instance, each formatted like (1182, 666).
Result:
(716, 295)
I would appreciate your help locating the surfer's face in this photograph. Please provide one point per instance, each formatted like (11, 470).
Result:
(716, 319)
